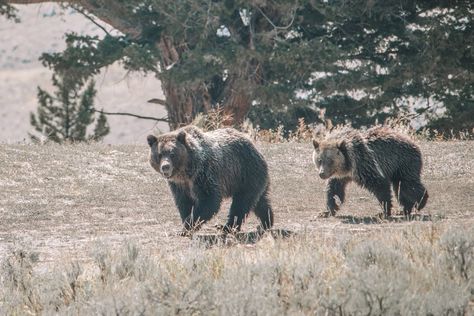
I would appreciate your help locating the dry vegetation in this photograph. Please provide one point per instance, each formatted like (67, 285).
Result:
(91, 229)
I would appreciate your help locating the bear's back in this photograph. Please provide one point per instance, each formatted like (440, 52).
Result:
(385, 139)
(392, 149)
(228, 142)
(239, 163)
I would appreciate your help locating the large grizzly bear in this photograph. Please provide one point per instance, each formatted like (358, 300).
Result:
(375, 160)
(203, 168)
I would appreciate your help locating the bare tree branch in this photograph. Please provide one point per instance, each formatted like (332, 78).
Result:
(90, 18)
(157, 119)
(273, 24)
(157, 101)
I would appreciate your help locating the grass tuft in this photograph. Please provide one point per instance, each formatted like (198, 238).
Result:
(407, 272)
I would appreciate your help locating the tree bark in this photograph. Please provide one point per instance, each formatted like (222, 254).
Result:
(239, 90)
(183, 103)
(237, 103)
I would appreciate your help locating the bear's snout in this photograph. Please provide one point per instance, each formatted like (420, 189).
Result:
(166, 168)
(323, 175)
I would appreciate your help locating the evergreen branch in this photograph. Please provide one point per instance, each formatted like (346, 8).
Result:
(133, 115)
(53, 128)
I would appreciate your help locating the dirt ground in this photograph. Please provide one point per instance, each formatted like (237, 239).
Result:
(64, 201)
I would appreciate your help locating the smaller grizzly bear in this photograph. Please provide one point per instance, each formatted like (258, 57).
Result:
(203, 168)
(375, 160)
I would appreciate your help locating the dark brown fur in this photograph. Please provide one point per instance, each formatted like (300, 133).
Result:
(376, 160)
(203, 168)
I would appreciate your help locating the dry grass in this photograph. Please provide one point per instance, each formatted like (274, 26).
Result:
(91, 229)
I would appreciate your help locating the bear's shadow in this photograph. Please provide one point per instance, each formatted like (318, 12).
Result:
(352, 219)
(244, 238)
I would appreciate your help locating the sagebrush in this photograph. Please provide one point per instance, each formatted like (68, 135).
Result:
(425, 269)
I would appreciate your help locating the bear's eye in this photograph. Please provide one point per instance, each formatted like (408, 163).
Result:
(160, 155)
(320, 161)
(172, 155)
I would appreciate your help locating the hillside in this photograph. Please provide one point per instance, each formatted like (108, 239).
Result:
(42, 29)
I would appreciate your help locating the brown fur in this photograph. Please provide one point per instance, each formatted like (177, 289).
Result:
(375, 159)
(203, 168)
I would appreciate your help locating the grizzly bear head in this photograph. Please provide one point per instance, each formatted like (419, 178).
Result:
(331, 159)
(168, 154)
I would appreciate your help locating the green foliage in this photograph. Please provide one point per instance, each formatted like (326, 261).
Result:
(459, 112)
(66, 115)
(83, 57)
(391, 50)
(102, 128)
(8, 11)
(354, 59)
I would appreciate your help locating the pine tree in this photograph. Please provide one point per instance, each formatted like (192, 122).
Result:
(101, 128)
(66, 115)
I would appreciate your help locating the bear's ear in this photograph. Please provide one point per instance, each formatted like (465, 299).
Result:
(182, 137)
(341, 145)
(151, 140)
(315, 144)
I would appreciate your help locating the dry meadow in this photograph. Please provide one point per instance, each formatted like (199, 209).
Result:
(92, 229)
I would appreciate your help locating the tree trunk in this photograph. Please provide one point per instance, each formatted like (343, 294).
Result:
(183, 103)
(237, 102)
(239, 90)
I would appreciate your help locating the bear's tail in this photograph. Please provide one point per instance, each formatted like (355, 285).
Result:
(264, 212)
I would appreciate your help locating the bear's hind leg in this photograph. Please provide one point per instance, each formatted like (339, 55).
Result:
(396, 188)
(264, 212)
(412, 195)
(241, 205)
(383, 193)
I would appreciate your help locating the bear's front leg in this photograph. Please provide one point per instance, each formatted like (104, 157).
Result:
(336, 192)
(204, 208)
(183, 201)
